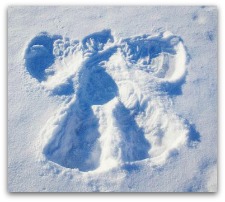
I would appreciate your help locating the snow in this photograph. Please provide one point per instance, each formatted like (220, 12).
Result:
(119, 99)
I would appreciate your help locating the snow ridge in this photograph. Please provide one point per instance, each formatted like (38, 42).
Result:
(118, 105)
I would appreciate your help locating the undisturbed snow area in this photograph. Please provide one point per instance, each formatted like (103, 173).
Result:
(112, 99)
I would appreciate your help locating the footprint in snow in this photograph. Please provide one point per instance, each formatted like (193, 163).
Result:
(120, 106)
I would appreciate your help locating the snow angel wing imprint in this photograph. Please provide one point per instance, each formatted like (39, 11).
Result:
(71, 135)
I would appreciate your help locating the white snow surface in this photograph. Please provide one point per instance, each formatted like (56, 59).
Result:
(129, 103)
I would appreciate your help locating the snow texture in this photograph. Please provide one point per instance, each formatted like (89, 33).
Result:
(126, 105)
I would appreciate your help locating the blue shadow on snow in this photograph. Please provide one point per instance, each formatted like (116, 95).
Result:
(39, 55)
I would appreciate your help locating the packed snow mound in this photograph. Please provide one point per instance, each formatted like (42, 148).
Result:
(118, 98)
